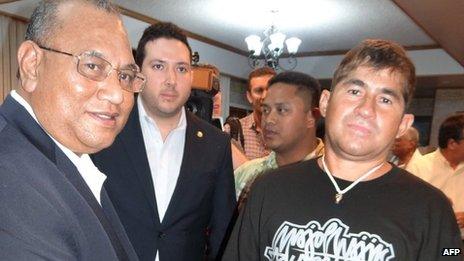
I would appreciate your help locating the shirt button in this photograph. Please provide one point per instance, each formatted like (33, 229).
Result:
(161, 235)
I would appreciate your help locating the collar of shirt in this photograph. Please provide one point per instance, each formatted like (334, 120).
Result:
(271, 161)
(439, 156)
(249, 122)
(91, 175)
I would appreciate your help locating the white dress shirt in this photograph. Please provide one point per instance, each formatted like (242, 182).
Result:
(436, 170)
(164, 158)
(91, 175)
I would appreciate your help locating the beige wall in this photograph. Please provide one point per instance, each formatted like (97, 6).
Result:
(447, 102)
(11, 35)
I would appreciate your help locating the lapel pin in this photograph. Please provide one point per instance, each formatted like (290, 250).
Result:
(199, 134)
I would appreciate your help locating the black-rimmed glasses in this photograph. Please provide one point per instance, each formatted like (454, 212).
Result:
(98, 69)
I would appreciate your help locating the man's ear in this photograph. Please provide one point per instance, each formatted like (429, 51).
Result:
(312, 116)
(310, 120)
(324, 102)
(406, 123)
(451, 144)
(249, 98)
(29, 58)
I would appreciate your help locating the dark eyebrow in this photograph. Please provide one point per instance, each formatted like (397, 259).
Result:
(356, 82)
(96, 54)
(391, 92)
(132, 66)
(275, 104)
(157, 60)
(183, 63)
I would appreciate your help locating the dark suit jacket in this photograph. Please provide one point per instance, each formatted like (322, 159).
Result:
(203, 200)
(47, 211)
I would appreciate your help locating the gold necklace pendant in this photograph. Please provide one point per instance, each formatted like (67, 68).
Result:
(338, 198)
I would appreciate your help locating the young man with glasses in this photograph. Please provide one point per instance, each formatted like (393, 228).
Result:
(169, 173)
(77, 80)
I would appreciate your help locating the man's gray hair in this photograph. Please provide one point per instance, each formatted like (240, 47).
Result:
(44, 19)
(412, 134)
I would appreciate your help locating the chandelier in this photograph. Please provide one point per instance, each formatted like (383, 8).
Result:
(268, 51)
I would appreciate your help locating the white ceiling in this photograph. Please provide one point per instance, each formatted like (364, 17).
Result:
(323, 25)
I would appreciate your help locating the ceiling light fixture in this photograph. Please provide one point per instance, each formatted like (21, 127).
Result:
(268, 51)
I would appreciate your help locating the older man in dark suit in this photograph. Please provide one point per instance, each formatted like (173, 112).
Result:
(77, 78)
(169, 173)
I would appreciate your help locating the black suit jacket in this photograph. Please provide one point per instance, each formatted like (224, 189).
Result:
(202, 203)
(47, 211)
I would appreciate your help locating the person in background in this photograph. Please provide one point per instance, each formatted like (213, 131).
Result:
(77, 80)
(169, 172)
(444, 168)
(238, 141)
(405, 148)
(236, 131)
(290, 112)
(257, 88)
(351, 204)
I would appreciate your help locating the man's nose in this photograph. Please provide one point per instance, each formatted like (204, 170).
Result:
(263, 95)
(171, 76)
(110, 89)
(366, 107)
(269, 118)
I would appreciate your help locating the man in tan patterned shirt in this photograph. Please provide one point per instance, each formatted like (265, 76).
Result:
(254, 146)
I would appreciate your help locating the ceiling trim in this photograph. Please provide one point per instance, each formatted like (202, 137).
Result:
(195, 36)
(7, 1)
(17, 17)
(441, 20)
(343, 52)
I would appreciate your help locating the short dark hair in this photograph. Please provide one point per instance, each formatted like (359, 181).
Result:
(160, 30)
(451, 128)
(304, 83)
(379, 54)
(44, 19)
(260, 72)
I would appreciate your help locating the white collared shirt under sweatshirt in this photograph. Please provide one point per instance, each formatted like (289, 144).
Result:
(164, 158)
(91, 175)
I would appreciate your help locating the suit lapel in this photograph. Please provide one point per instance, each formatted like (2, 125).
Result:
(72, 174)
(193, 140)
(18, 117)
(110, 212)
(132, 140)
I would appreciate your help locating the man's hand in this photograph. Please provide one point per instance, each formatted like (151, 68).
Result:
(460, 219)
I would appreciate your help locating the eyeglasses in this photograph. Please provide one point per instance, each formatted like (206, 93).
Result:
(98, 69)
